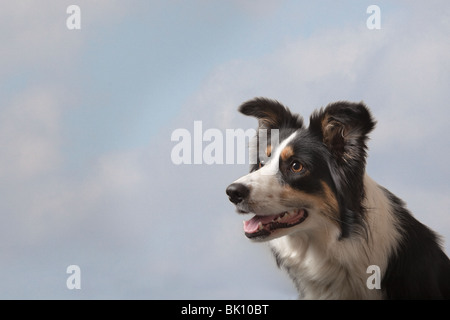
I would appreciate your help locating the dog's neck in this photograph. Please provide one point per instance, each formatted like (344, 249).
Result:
(325, 267)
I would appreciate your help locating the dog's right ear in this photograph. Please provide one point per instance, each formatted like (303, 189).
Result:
(271, 114)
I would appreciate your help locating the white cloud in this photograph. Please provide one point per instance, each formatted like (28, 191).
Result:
(30, 134)
(304, 73)
(37, 36)
(401, 75)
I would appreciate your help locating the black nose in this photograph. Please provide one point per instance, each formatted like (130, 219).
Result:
(237, 192)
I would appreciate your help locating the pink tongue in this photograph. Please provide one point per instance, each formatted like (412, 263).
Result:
(251, 225)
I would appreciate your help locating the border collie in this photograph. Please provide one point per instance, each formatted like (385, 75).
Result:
(325, 219)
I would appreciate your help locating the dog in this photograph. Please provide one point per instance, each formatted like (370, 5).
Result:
(326, 221)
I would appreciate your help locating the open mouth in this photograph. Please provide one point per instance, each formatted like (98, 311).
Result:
(262, 226)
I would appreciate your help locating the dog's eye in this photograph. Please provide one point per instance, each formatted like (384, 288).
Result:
(296, 167)
(261, 164)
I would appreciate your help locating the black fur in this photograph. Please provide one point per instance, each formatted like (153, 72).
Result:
(419, 269)
(271, 114)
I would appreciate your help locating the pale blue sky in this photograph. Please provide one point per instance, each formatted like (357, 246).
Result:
(86, 118)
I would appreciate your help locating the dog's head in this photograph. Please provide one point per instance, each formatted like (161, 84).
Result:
(304, 179)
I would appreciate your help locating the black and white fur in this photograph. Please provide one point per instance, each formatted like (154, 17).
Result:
(325, 219)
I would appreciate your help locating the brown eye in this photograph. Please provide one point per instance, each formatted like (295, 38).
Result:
(260, 164)
(296, 167)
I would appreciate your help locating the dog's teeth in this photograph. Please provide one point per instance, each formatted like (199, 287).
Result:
(260, 226)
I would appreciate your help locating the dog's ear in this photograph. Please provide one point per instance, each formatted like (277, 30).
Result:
(344, 129)
(271, 114)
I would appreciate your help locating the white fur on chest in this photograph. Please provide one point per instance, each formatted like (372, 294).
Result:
(324, 267)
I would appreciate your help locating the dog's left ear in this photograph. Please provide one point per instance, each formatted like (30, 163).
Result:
(344, 128)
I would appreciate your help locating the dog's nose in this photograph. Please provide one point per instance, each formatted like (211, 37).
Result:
(237, 192)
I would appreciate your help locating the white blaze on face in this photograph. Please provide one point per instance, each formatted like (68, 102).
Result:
(264, 185)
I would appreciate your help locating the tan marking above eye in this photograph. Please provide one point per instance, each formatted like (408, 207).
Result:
(287, 153)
